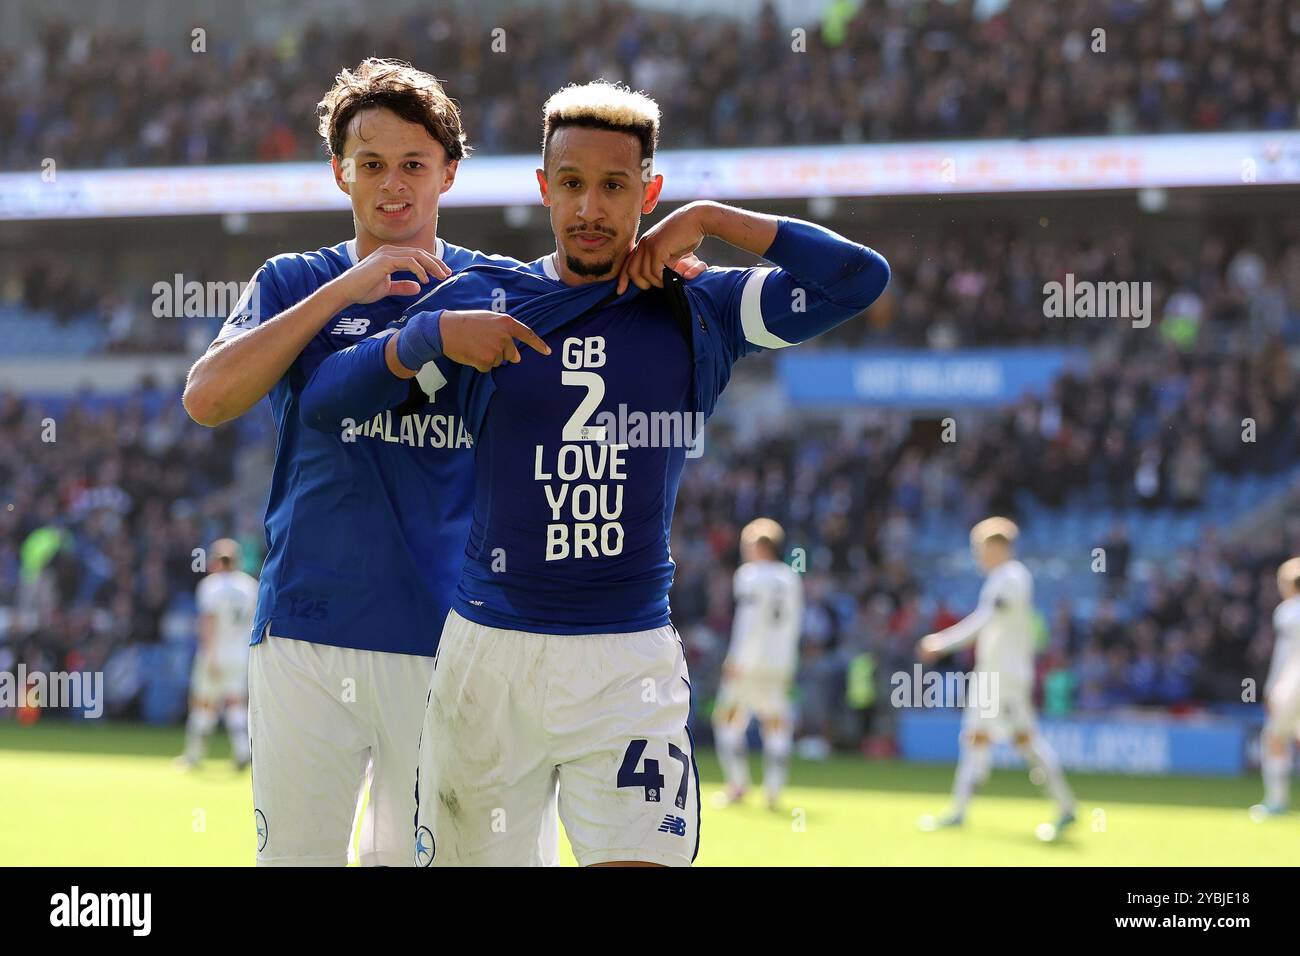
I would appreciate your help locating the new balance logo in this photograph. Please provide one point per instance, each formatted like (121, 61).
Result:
(674, 825)
(350, 327)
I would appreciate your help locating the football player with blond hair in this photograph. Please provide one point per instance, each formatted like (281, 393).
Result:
(226, 600)
(1002, 628)
(761, 662)
(1281, 696)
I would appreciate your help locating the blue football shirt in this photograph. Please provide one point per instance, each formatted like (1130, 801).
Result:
(338, 569)
(579, 453)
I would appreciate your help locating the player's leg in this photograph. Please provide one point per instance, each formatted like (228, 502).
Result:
(974, 763)
(309, 752)
(730, 721)
(237, 729)
(1275, 752)
(200, 723)
(1275, 758)
(1041, 757)
(618, 706)
(398, 688)
(202, 717)
(778, 740)
(236, 714)
(485, 785)
(1044, 765)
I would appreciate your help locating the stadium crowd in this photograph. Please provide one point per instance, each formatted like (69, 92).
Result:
(1146, 434)
(986, 286)
(104, 502)
(867, 70)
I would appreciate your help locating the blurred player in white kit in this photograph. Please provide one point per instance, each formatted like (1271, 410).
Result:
(1281, 696)
(1002, 627)
(761, 662)
(227, 598)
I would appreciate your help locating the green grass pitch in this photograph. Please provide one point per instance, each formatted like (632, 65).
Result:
(104, 794)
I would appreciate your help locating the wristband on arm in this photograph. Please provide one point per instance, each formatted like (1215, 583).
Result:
(420, 340)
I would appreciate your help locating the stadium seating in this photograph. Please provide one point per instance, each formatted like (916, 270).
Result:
(856, 78)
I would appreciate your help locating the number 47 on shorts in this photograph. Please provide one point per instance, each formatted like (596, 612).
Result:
(650, 779)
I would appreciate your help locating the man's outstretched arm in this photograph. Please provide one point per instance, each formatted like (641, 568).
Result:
(354, 384)
(956, 636)
(362, 380)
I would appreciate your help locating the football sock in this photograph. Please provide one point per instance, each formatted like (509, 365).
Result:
(731, 754)
(237, 728)
(197, 727)
(1276, 767)
(776, 759)
(973, 768)
(1040, 755)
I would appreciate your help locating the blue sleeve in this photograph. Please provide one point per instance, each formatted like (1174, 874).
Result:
(352, 383)
(821, 281)
(262, 300)
(355, 382)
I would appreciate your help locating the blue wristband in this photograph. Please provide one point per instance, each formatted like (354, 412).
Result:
(420, 340)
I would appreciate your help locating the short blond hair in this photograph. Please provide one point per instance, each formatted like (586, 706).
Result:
(1290, 573)
(763, 531)
(602, 105)
(994, 528)
(227, 550)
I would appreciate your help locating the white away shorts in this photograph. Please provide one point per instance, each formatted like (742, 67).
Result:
(1008, 714)
(1283, 697)
(216, 679)
(765, 696)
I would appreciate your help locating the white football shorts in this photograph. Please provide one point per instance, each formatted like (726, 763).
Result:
(1009, 713)
(519, 725)
(1284, 700)
(216, 678)
(765, 696)
(323, 720)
